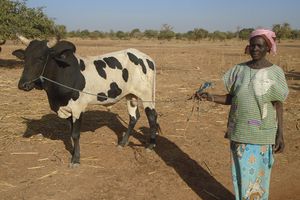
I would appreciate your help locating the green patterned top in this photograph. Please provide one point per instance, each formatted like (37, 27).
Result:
(252, 117)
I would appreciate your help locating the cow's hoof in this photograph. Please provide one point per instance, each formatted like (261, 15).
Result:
(74, 165)
(124, 142)
(151, 147)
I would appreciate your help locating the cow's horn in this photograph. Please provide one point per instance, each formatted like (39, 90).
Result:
(23, 39)
(52, 42)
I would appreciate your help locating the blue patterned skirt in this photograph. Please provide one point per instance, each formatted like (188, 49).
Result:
(251, 170)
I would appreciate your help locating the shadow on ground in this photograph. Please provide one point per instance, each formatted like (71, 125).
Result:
(194, 175)
(10, 63)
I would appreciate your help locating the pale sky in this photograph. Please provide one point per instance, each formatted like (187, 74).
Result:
(182, 15)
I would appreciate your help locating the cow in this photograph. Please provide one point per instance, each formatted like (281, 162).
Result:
(72, 82)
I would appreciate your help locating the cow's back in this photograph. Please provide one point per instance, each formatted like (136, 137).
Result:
(114, 75)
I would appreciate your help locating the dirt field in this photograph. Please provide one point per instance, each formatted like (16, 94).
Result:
(190, 163)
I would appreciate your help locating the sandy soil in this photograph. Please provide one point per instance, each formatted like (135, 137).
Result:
(191, 160)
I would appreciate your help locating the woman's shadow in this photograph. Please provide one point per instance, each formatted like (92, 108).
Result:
(194, 175)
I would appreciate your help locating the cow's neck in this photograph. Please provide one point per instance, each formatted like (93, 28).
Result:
(69, 76)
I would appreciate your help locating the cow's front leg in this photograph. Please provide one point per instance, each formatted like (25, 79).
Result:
(75, 135)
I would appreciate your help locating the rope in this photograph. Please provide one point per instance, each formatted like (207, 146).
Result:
(101, 96)
(195, 101)
(43, 78)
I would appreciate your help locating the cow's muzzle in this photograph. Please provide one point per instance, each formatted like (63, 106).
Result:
(26, 86)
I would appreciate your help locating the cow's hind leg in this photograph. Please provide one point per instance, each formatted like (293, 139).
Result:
(75, 135)
(134, 115)
(152, 119)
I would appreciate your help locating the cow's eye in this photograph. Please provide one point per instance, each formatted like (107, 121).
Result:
(42, 58)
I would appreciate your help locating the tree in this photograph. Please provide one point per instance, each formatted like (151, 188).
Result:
(179, 36)
(295, 34)
(166, 32)
(150, 33)
(84, 33)
(200, 33)
(122, 35)
(231, 35)
(16, 17)
(189, 35)
(136, 33)
(282, 31)
(218, 35)
(244, 33)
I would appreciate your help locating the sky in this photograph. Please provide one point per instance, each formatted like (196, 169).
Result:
(182, 15)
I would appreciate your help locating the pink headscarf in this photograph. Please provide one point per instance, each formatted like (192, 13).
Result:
(269, 35)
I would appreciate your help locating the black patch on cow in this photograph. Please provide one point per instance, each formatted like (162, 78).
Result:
(133, 58)
(100, 65)
(143, 66)
(75, 96)
(125, 74)
(113, 63)
(114, 90)
(150, 64)
(59, 96)
(82, 65)
(101, 96)
(137, 61)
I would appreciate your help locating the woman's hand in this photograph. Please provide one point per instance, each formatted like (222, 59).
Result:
(204, 96)
(279, 143)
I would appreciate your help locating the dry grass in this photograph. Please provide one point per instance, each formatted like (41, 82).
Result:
(34, 142)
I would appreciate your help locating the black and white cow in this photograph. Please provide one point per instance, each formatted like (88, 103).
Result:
(128, 73)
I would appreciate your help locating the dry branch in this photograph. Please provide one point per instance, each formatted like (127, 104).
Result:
(95, 166)
(212, 195)
(6, 184)
(37, 167)
(208, 168)
(43, 159)
(24, 153)
(47, 175)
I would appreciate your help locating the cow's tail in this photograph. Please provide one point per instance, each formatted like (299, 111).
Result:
(154, 85)
(159, 131)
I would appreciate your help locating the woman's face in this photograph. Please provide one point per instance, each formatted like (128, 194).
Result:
(258, 48)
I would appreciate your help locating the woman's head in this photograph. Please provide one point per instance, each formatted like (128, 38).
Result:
(261, 41)
(258, 48)
(268, 35)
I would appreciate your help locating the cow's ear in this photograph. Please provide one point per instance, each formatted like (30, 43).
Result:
(20, 53)
(63, 46)
(63, 62)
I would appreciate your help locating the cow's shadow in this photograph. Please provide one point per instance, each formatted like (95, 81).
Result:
(194, 175)
(10, 63)
(55, 128)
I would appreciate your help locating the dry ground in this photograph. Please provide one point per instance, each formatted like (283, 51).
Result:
(187, 164)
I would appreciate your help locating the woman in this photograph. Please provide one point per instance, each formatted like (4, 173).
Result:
(256, 90)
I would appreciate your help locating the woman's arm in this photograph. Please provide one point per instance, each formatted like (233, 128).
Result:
(279, 142)
(220, 99)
